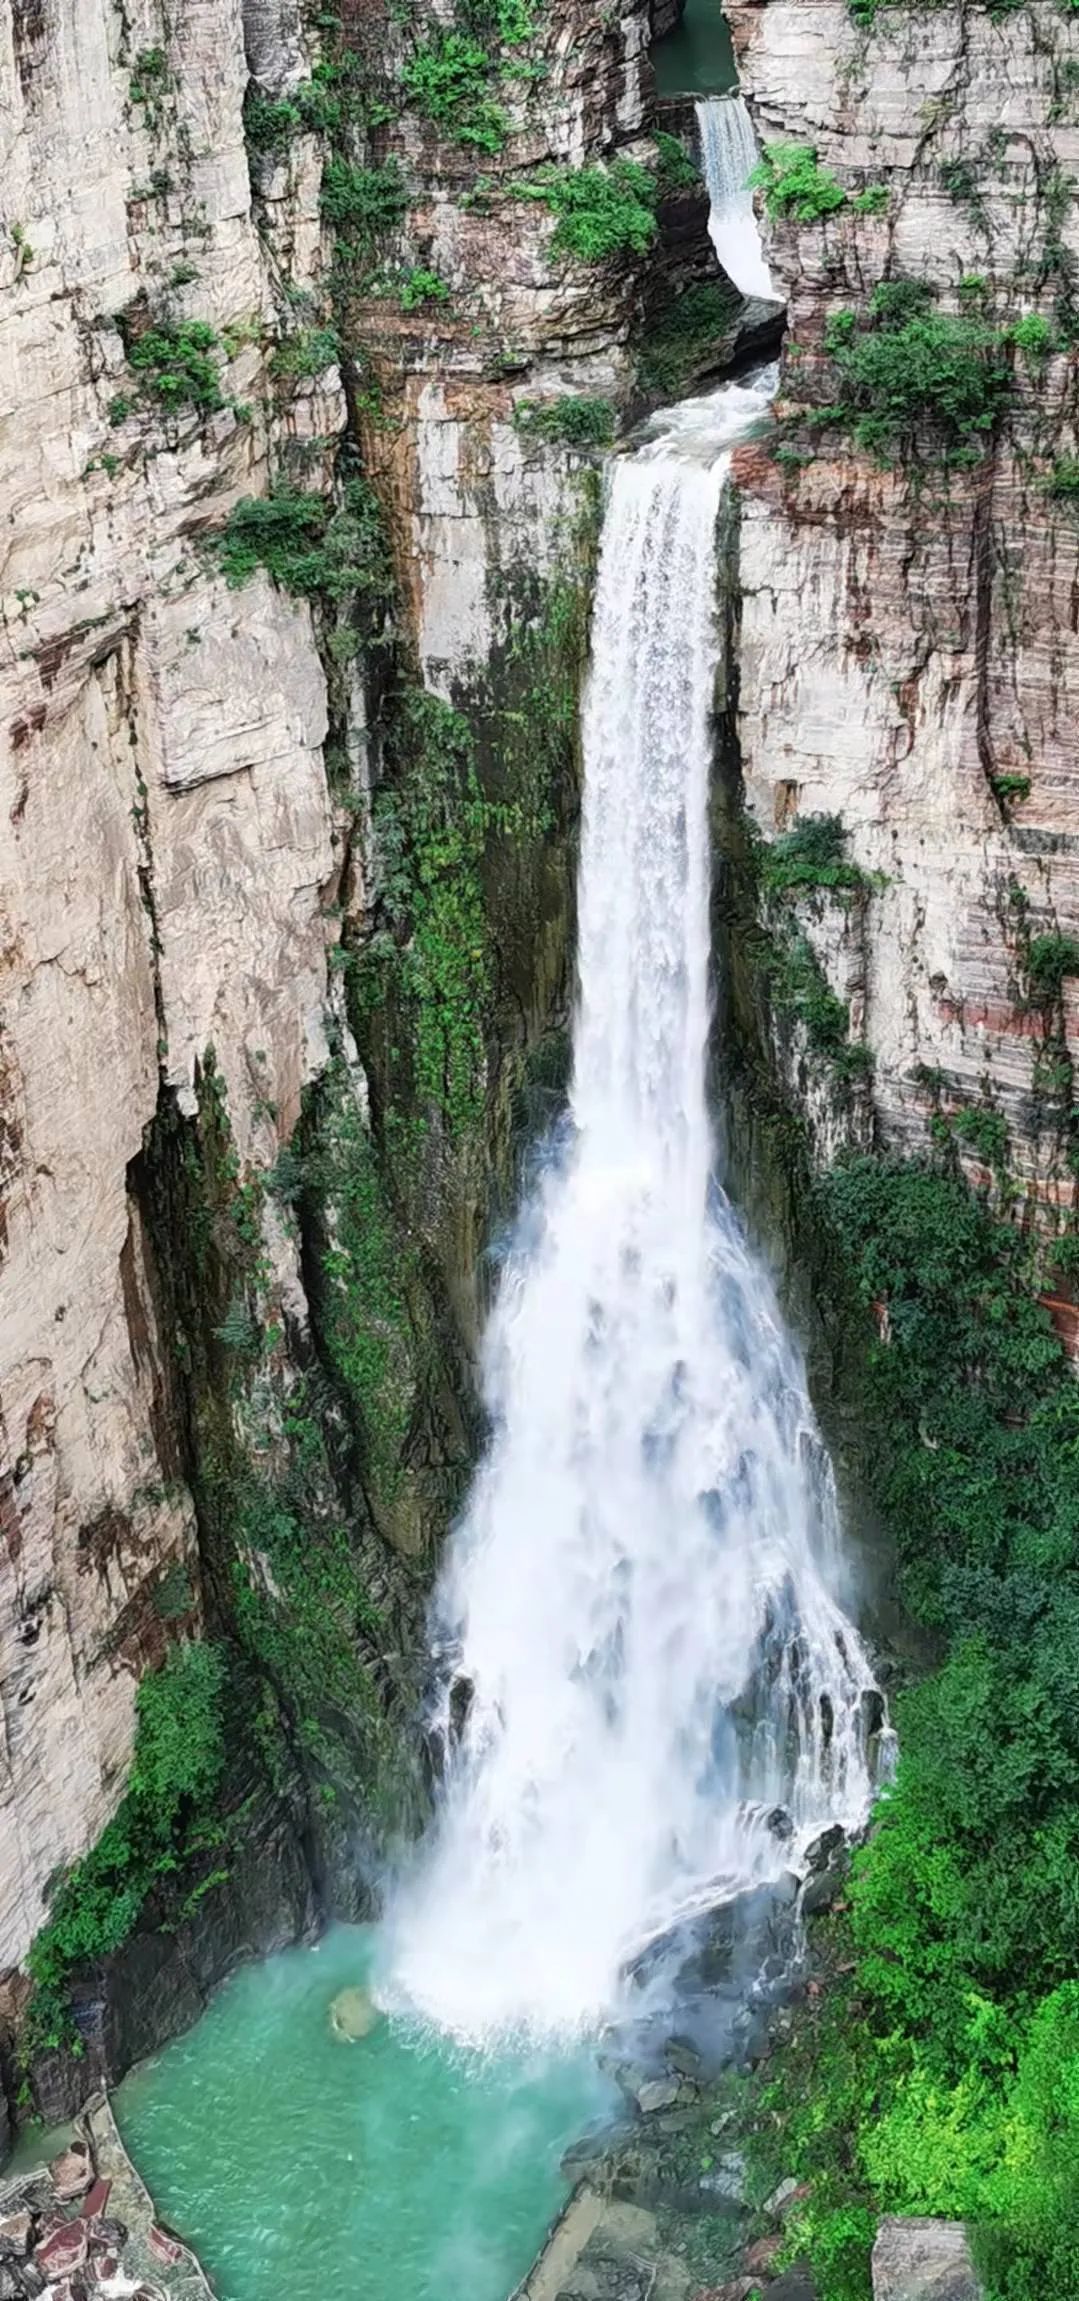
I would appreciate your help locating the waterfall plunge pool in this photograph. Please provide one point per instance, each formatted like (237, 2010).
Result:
(394, 2168)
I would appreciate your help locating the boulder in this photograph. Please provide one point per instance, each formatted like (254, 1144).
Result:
(794, 2285)
(824, 1849)
(72, 2173)
(760, 2257)
(784, 2195)
(15, 2232)
(64, 2251)
(353, 2014)
(683, 2058)
(727, 2178)
(828, 1866)
(657, 2093)
(923, 2260)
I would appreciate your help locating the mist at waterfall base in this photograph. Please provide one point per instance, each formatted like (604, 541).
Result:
(395, 2168)
(640, 1603)
(729, 154)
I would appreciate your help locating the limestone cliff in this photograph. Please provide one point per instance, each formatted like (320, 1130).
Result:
(287, 825)
(908, 657)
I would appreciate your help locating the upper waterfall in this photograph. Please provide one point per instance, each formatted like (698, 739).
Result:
(648, 1556)
(730, 154)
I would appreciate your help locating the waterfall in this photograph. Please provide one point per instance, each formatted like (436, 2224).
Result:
(730, 154)
(639, 1606)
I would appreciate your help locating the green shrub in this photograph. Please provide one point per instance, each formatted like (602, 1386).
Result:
(1011, 788)
(873, 201)
(316, 107)
(810, 855)
(310, 547)
(570, 421)
(420, 287)
(601, 213)
(800, 988)
(1049, 959)
(176, 1768)
(150, 81)
(363, 201)
(1033, 336)
(178, 364)
(675, 170)
(512, 23)
(308, 352)
(448, 80)
(1063, 482)
(794, 185)
(911, 368)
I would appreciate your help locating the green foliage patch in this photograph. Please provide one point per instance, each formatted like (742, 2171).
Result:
(812, 854)
(795, 185)
(570, 421)
(907, 369)
(176, 1768)
(178, 364)
(431, 954)
(602, 213)
(942, 2070)
(311, 547)
(449, 81)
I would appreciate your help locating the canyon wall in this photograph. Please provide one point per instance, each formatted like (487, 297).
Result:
(287, 828)
(909, 650)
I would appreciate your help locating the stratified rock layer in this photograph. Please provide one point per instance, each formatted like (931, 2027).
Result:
(909, 647)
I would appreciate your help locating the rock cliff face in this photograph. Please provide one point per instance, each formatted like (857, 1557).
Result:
(238, 1293)
(168, 846)
(909, 653)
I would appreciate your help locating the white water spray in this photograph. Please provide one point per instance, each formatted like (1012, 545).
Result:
(640, 1595)
(729, 152)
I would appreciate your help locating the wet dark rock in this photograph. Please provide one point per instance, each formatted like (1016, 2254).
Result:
(824, 1849)
(794, 2285)
(828, 1865)
(874, 1712)
(779, 1822)
(684, 2058)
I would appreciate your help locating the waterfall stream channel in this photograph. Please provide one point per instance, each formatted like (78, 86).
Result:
(650, 1693)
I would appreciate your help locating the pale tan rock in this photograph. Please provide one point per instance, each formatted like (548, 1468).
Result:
(353, 2014)
(900, 647)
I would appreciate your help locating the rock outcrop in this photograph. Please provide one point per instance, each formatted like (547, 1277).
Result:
(249, 1149)
(909, 660)
(923, 2260)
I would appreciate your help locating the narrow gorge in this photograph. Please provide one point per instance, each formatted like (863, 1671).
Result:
(540, 1154)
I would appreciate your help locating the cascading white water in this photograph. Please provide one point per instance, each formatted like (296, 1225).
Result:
(730, 154)
(651, 1540)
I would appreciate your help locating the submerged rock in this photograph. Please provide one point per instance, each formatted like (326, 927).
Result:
(353, 2014)
(923, 2260)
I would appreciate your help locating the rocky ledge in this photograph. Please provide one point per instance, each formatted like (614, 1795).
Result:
(677, 2202)
(85, 2226)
